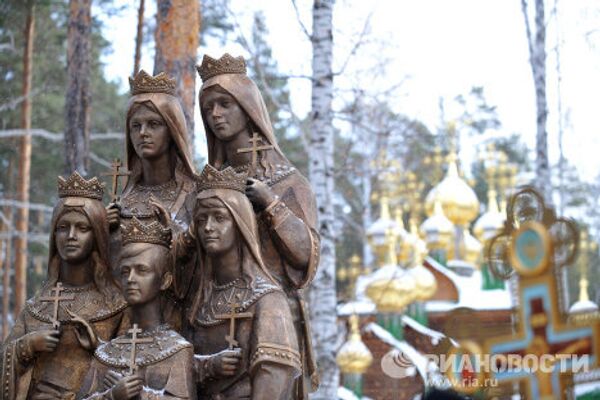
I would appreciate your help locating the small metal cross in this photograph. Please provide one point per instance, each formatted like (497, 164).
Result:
(56, 298)
(116, 172)
(232, 316)
(134, 341)
(254, 149)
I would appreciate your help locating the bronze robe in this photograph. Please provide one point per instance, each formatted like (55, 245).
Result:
(166, 366)
(270, 360)
(64, 369)
(295, 211)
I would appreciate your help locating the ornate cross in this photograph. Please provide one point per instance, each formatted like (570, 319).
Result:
(116, 172)
(134, 341)
(254, 149)
(232, 316)
(56, 298)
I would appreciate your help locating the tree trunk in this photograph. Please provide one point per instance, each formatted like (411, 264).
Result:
(322, 295)
(537, 53)
(22, 220)
(139, 39)
(176, 36)
(77, 102)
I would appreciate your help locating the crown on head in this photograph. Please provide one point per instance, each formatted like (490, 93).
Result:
(227, 64)
(77, 186)
(143, 82)
(138, 232)
(212, 178)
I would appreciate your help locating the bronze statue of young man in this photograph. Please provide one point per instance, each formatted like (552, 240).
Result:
(50, 347)
(239, 135)
(237, 315)
(151, 361)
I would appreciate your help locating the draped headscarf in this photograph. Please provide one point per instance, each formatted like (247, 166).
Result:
(246, 93)
(96, 214)
(242, 212)
(170, 110)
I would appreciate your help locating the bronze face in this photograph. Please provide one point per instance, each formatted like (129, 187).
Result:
(224, 116)
(216, 228)
(74, 237)
(149, 133)
(142, 276)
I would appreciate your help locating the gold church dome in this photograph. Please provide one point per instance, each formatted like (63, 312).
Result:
(425, 283)
(470, 248)
(437, 229)
(490, 222)
(354, 357)
(458, 200)
(391, 289)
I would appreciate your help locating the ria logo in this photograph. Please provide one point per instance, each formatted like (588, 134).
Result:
(397, 365)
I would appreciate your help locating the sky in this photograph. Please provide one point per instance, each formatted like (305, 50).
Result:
(438, 49)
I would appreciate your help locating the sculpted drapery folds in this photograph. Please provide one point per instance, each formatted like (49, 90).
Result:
(50, 346)
(237, 315)
(151, 361)
(239, 134)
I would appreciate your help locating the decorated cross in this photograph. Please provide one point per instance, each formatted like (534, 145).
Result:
(55, 297)
(254, 149)
(232, 316)
(134, 341)
(115, 173)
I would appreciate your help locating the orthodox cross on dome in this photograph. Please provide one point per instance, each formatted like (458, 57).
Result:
(232, 316)
(55, 297)
(115, 173)
(134, 341)
(254, 149)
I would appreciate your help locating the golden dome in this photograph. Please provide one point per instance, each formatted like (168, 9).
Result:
(491, 222)
(354, 357)
(458, 200)
(380, 232)
(437, 229)
(391, 289)
(470, 248)
(425, 283)
(404, 246)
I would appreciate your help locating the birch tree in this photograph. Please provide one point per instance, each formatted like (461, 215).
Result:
(77, 101)
(176, 37)
(537, 60)
(22, 217)
(321, 174)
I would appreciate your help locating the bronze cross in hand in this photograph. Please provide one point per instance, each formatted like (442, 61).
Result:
(134, 341)
(232, 316)
(56, 298)
(115, 172)
(254, 149)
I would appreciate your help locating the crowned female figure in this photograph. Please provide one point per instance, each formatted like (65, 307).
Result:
(50, 347)
(238, 318)
(157, 152)
(239, 135)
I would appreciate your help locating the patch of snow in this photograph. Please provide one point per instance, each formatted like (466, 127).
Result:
(359, 307)
(583, 388)
(435, 336)
(583, 306)
(346, 394)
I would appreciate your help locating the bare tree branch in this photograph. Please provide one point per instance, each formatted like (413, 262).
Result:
(359, 42)
(96, 158)
(57, 137)
(527, 28)
(14, 103)
(31, 206)
(308, 35)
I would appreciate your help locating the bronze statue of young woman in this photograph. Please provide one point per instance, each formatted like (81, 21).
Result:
(239, 135)
(237, 316)
(50, 347)
(151, 361)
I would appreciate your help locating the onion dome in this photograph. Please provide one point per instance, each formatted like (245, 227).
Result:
(391, 289)
(425, 283)
(583, 305)
(458, 200)
(437, 229)
(470, 248)
(491, 222)
(354, 357)
(378, 234)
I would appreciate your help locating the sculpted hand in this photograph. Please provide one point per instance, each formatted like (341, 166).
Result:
(226, 362)
(44, 341)
(111, 379)
(114, 215)
(127, 387)
(161, 212)
(259, 193)
(85, 333)
(46, 392)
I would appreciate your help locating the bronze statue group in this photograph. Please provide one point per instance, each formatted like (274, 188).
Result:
(188, 285)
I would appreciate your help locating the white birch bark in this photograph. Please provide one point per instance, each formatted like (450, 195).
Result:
(537, 53)
(322, 295)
